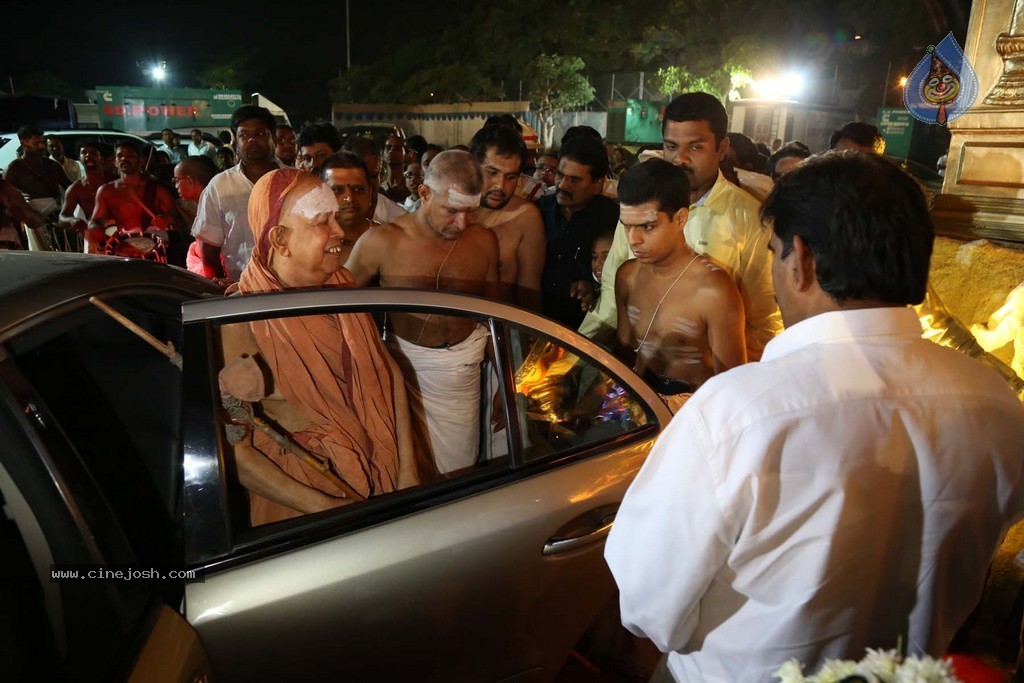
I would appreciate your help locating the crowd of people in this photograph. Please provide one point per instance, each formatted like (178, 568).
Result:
(846, 490)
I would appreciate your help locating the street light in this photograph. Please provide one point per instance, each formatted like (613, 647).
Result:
(159, 72)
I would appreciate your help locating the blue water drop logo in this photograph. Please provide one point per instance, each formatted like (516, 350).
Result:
(943, 86)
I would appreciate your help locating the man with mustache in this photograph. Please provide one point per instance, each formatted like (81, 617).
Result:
(82, 193)
(573, 216)
(722, 224)
(134, 202)
(514, 221)
(348, 177)
(222, 220)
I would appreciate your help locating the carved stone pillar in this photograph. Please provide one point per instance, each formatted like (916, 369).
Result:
(983, 191)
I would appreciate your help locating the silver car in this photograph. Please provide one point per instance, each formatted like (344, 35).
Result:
(130, 553)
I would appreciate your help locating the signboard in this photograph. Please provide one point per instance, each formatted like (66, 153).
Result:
(153, 109)
(897, 127)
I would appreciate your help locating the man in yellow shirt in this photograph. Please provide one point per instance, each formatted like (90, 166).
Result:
(723, 222)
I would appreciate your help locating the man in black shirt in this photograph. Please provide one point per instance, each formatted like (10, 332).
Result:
(573, 216)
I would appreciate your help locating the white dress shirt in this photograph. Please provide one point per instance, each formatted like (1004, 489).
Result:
(222, 218)
(849, 489)
(387, 210)
(202, 149)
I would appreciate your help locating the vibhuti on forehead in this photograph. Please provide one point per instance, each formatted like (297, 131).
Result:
(461, 200)
(317, 201)
(637, 215)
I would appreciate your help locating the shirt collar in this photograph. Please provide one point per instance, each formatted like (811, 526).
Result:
(715, 199)
(835, 326)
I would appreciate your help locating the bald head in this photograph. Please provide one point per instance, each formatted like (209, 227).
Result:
(199, 168)
(455, 169)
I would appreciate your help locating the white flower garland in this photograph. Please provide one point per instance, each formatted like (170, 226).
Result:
(877, 666)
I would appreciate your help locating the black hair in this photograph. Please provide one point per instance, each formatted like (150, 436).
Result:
(698, 106)
(588, 131)
(796, 150)
(417, 143)
(345, 159)
(89, 142)
(507, 142)
(860, 133)
(656, 180)
(361, 146)
(166, 130)
(130, 144)
(29, 130)
(746, 150)
(584, 149)
(865, 221)
(506, 120)
(251, 111)
(320, 131)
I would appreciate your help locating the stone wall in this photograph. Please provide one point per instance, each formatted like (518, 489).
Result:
(973, 278)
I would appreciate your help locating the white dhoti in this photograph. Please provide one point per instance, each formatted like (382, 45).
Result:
(445, 395)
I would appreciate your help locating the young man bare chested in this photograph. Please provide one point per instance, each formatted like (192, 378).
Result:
(516, 222)
(82, 193)
(680, 316)
(438, 248)
(134, 202)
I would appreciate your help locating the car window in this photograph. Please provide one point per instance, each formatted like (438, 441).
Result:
(342, 405)
(564, 400)
(118, 402)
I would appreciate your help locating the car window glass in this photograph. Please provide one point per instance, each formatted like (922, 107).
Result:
(314, 415)
(564, 400)
(118, 402)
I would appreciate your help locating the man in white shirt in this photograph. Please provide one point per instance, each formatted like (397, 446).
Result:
(200, 147)
(222, 219)
(850, 489)
(168, 146)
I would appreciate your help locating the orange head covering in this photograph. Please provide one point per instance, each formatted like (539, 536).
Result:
(332, 367)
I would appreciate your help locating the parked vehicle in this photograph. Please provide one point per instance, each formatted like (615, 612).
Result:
(114, 458)
(72, 138)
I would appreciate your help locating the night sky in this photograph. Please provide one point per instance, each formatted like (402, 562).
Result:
(298, 47)
(295, 47)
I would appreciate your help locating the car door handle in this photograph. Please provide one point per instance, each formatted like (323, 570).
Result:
(587, 529)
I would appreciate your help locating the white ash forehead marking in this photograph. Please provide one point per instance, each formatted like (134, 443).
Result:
(316, 202)
(634, 215)
(461, 200)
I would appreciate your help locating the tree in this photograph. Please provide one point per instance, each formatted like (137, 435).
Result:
(556, 84)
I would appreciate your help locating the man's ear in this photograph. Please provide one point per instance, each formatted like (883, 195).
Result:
(598, 186)
(804, 270)
(680, 216)
(279, 237)
(723, 147)
(424, 192)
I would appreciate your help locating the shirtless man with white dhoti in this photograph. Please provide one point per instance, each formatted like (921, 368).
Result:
(438, 249)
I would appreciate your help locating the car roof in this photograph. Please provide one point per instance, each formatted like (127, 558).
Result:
(32, 283)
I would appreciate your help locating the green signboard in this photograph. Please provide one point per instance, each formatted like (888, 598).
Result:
(153, 109)
(897, 127)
